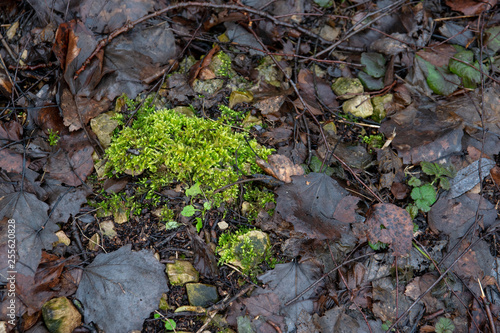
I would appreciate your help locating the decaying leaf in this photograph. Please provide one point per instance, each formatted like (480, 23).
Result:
(453, 217)
(390, 224)
(316, 205)
(280, 167)
(288, 281)
(34, 229)
(424, 135)
(468, 177)
(120, 289)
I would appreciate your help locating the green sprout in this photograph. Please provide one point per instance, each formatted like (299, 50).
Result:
(53, 137)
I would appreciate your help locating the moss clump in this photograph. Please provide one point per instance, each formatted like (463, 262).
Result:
(243, 248)
(165, 146)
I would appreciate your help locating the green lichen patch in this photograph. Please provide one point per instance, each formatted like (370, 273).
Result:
(165, 146)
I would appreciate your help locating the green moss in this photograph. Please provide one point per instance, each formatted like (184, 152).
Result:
(257, 200)
(244, 248)
(165, 146)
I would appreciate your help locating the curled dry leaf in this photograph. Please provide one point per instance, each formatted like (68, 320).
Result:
(390, 224)
(280, 167)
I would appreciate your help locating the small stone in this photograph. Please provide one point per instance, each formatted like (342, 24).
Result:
(60, 316)
(328, 33)
(346, 88)
(200, 294)
(185, 110)
(62, 238)
(108, 229)
(359, 106)
(182, 272)
(103, 126)
(223, 225)
(379, 106)
(238, 97)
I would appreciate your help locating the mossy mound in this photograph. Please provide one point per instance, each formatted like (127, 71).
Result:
(165, 146)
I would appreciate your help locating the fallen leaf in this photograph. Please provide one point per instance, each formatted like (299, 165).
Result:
(468, 177)
(453, 217)
(471, 7)
(280, 167)
(34, 229)
(390, 224)
(120, 289)
(424, 135)
(316, 205)
(289, 280)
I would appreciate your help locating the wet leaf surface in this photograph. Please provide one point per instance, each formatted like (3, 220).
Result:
(390, 224)
(120, 289)
(317, 206)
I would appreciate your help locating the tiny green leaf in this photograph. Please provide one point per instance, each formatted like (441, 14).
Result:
(199, 224)
(193, 190)
(414, 182)
(157, 315)
(431, 169)
(188, 211)
(170, 324)
(424, 197)
(440, 82)
(493, 38)
(172, 225)
(462, 66)
(412, 210)
(445, 325)
(445, 183)
(207, 205)
(370, 82)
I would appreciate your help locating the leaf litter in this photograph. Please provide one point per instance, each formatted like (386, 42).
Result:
(314, 213)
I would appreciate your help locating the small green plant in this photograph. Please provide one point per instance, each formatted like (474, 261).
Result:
(164, 146)
(386, 325)
(257, 199)
(190, 210)
(170, 324)
(53, 137)
(374, 141)
(425, 194)
(444, 325)
(224, 67)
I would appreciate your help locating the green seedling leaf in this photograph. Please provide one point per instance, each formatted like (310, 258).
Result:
(493, 38)
(377, 246)
(445, 325)
(424, 197)
(414, 182)
(370, 82)
(374, 64)
(207, 205)
(170, 324)
(445, 183)
(461, 66)
(188, 211)
(412, 210)
(440, 82)
(193, 190)
(170, 225)
(157, 315)
(199, 224)
(324, 3)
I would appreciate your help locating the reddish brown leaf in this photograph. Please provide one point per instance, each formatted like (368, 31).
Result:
(390, 224)
(280, 167)
(310, 204)
(424, 135)
(399, 191)
(471, 7)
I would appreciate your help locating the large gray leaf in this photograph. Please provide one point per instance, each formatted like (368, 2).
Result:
(34, 230)
(316, 205)
(120, 289)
